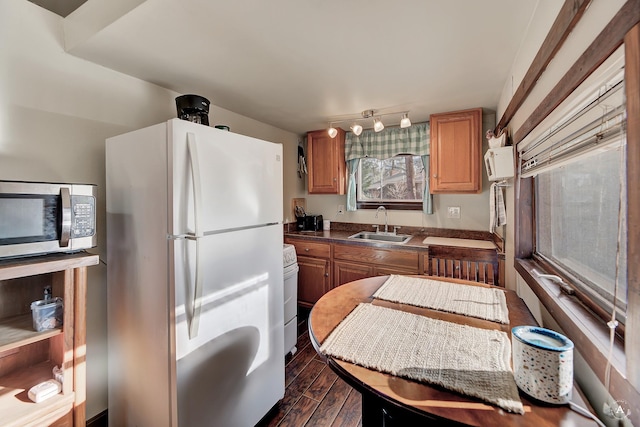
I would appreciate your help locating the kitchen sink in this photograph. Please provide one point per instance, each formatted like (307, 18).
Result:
(372, 236)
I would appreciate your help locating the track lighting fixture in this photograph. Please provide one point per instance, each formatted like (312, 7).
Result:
(378, 126)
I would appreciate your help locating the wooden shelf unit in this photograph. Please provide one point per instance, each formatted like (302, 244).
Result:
(28, 357)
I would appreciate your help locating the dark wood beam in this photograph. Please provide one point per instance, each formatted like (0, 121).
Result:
(632, 87)
(602, 47)
(569, 15)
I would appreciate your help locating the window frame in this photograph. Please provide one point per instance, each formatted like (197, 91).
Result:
(583, 291)
(401, 205)
(574, 314)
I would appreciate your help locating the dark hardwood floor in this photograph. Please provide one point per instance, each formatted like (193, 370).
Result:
(314, 395)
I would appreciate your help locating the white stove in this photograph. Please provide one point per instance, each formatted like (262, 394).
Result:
(290, 261)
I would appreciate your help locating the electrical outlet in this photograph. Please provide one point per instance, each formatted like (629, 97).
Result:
(340, 209)
(453, 212)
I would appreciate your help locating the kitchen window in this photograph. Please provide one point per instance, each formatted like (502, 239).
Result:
(578, 212)
(576, 203)
(396, 182)
(389, 168)
(579, 194)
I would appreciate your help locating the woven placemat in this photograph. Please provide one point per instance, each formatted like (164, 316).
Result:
(471, 361)
(474, 301)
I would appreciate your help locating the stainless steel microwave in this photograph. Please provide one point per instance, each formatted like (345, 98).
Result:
(40, 218)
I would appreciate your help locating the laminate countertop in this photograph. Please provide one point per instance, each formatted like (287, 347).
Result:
(422, 237)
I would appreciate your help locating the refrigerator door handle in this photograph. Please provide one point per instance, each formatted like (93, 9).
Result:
(193, 315)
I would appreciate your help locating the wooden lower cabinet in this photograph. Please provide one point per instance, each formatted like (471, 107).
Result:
(351, 262)
(325, 265)
(314, 274)
(314, 279)
(345, 272)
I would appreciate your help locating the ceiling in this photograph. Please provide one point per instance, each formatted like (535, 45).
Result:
(298, 65)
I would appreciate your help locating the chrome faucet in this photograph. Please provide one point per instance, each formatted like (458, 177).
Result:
(386, 224)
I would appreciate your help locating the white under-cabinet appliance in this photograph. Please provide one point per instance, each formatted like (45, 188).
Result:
(499, 163)
(195, 277)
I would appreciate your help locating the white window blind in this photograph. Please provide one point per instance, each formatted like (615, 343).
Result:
(592, 124)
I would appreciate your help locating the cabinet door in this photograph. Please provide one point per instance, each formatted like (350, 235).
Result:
(345, 272)
(456, 146)
(314, 280)
(325, 162)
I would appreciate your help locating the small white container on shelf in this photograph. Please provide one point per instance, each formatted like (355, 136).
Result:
(47, 314)
(44, 390)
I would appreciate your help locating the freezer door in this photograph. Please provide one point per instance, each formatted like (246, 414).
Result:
(231, 372)
(234, 181)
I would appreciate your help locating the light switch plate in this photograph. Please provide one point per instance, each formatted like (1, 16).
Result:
(453, 212)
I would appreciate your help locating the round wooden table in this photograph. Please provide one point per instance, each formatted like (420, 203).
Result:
(394, 401)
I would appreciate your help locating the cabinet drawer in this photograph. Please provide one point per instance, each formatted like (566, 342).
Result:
(308, 248)
(405, 259)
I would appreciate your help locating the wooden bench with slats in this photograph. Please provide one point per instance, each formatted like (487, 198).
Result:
(478, 265)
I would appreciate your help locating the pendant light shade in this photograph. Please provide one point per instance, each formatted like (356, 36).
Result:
(405, 122)
(356, 129)
(377, 125)
(332, 132)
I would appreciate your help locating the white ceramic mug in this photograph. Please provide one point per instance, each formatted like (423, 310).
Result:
(543, 363)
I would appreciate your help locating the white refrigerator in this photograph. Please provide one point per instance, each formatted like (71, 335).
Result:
(195, 277)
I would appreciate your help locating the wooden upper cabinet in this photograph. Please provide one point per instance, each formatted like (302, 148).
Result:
(456, 146)
(325, 162)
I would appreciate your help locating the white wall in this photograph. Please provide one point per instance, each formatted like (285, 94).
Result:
(594, 20)
(55, 113)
